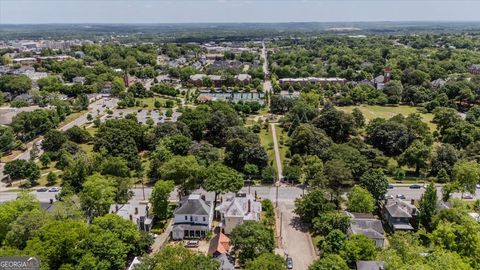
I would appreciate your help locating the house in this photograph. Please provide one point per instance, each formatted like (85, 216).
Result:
(368, 225)
(106, 88)
(220, 244)
(197, 80)
(193, 218)
(284, 82)
(136, 212)
(370, 265)
(438, 83)
(243, 79)
(475, 216)
(399, 214)
(238, 208)
(474, 69)
(381, 80)
(79, 79)
(226, 262)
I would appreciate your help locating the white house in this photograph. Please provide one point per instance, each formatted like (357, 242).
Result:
(238, 208)
(136, 212)
(193, 218)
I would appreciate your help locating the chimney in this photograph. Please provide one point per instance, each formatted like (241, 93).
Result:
(249, 206)
(131, 217)
(136, 210)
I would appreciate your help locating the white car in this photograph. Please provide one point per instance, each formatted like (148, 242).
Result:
(400, 196)
(54, 189)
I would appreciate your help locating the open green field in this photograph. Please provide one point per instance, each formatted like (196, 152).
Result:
(282, 140)
(266, 140)
(373, 111)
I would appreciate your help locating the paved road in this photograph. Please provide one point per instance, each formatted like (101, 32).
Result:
(416, 194)
(295, 238)
(276, 150)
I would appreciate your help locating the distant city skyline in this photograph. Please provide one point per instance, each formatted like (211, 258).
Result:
(234, 11)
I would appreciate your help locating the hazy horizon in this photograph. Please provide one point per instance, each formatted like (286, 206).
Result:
(234, 11)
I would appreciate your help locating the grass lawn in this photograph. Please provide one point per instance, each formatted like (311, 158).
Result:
(373, 111)
(282, 140)
(149, 102)
(266, 140)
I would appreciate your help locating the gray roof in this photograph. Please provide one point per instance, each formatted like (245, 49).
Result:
(226, 262)
(370, 265)
(372, 228)
(194, 205)
(399, 209)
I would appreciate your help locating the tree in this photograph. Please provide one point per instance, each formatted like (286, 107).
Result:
(358, 247)
(445, 157)
(178, 257)
(159, 198)
(337, 174)
(445, 117)
(358, 118)
(467, 174)
(183, 170)
(12, 210)
(329, 221)
(51, 179)
(27, 125)
(360, 201)
(251, 239)
(309, 140)
(15, 84)
(115, 166)
(391, 137)
(24, 228)
(329, 262)
(337, 124)
(417, 154)
(428, 206)
(23, 169)
(97, 195)
(8, 141)
(393, 89)
(266, 261)
(461, 134)
(375, 181)
(333, 242)
(78, 135)
(53, 140)
(222, 179)
(312, 205)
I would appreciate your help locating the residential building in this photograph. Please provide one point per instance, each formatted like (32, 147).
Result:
(243, 79)
(381, 80)
(79, 79)
(238, 208)
(474, 69)
(284, 82)
(193, 218)
(438, 83)
(197, 80)
(399, 214)
(232, 97)
(220, 244)
(136, 212)
(368, 225)
(370, 265)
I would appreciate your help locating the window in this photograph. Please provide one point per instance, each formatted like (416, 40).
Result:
(186, 217)
(204, 219)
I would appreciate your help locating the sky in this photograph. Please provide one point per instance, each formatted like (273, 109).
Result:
(234, 11)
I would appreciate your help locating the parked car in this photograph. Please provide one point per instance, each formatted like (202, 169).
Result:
(400, 196)
(478, 186)
(467, 196)
(289, 263)
(415, 186)
(42, 190)
(390, 187)
(192, 244)
(54, 189)
(388, 196)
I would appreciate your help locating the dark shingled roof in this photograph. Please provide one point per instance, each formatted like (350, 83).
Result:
(194, 206)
